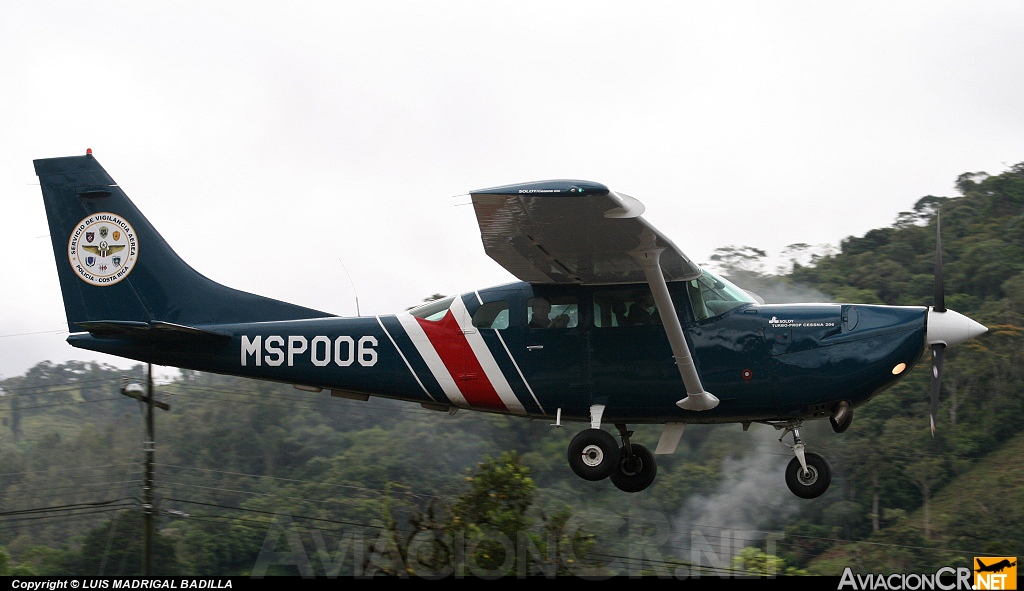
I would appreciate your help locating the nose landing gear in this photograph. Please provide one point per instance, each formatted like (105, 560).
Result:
(808, 475)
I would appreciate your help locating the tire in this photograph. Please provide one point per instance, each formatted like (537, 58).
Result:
(812, 485)
(593, 454)
(634, 474)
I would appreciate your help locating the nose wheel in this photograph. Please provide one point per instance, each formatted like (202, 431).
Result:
(811, 482)
(808, 475)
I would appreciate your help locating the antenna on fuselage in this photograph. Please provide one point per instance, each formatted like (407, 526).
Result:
(352, 283)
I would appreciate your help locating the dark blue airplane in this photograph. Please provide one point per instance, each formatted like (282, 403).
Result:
(610, 324)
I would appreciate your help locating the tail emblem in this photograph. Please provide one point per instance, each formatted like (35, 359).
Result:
(84, 257)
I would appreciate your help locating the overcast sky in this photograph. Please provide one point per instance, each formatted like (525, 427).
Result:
(286, 147)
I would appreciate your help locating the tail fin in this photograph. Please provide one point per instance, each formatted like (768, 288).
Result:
(114, 267)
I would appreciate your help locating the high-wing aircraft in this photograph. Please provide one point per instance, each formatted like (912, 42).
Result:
(610, 324)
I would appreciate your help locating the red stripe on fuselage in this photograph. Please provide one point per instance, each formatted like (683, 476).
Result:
(452, 347)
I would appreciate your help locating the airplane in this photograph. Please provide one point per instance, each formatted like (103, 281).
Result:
(608, 323)
(997, 567)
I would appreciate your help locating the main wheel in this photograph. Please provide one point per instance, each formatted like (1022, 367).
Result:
(634, 473)
(812, 483)
(593, 454)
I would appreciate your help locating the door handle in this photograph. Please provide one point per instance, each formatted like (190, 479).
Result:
(534, 347)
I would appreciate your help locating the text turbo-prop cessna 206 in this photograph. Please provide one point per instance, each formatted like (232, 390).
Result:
(610, 324)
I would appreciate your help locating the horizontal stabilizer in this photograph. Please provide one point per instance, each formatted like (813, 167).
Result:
(162, 331)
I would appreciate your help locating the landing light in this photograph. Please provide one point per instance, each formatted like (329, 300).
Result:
(899, 369)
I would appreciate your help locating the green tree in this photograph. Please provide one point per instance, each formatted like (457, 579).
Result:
(115, 548)
(738, 261)
(8, 568)
(491, 516)
(754, 561)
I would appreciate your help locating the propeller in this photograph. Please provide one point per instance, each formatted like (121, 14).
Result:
(945, 327)
(939, 301)
(940, 291)
(937, 352)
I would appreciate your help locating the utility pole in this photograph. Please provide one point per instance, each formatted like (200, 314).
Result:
(134, 390)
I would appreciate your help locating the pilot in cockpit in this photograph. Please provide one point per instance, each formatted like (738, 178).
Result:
(540, 312)
(640, 311)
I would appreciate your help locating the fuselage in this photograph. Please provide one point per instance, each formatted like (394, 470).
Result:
(479, 351)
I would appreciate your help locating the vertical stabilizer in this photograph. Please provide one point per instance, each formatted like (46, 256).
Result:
(115, 267)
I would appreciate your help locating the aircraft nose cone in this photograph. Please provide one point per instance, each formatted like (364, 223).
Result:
(950, 328)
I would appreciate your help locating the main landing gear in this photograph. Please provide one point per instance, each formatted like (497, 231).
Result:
(808, 474)
(595, 455)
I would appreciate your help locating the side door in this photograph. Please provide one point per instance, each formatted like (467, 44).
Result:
(552, 349)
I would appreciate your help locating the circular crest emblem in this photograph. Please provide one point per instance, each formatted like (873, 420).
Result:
(103, 249)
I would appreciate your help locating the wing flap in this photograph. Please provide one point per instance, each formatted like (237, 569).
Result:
(567, 231)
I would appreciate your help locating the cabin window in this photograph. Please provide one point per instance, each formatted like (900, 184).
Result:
(433, 310)
(625, 307)
(553, 312)
(491, 315)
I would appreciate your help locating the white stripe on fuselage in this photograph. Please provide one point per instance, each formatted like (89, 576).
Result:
(519, 371)
(432, 359)
(404, 360)
(484, 357)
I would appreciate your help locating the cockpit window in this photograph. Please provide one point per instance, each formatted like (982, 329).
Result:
(433, 310)
(711, 295)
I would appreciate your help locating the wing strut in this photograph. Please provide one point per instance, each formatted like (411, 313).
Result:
(696, 397)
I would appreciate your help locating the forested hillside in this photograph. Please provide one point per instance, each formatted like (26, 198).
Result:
(895, 468)
(331, 486)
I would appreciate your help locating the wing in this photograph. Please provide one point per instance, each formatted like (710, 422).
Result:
(568, 231)
(582, 232)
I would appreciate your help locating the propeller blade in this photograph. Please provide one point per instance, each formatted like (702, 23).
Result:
(940, 291)
(938, 350)
(939, 301)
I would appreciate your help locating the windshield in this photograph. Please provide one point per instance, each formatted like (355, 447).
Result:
(712, 295)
